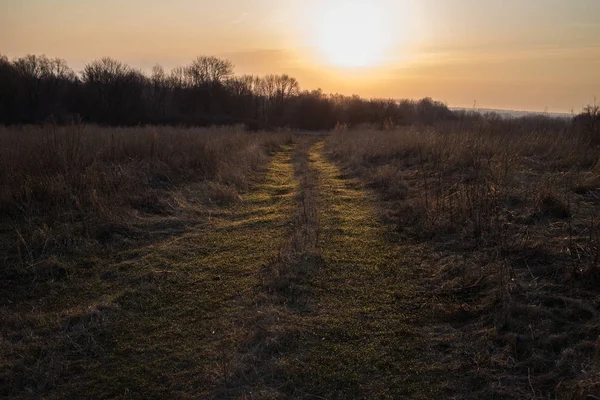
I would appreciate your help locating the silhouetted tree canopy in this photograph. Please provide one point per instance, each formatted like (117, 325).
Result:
(34, 89)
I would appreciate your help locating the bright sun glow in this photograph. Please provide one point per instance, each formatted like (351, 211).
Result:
(353, 34)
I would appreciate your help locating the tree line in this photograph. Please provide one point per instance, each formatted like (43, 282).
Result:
(35, 89)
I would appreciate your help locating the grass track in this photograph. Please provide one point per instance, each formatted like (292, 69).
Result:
(164, 322)
(348, 334)
(362, 344)
(295, 292)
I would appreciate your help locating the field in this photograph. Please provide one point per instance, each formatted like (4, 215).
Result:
(451, 260)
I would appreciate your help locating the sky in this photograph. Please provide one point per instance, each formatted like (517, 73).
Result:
(537, 55)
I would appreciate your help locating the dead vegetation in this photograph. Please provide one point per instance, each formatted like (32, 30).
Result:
(137, 262)
(510, 215)
(101, 233)
(76, 186)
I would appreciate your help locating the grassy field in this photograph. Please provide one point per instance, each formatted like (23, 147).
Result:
(509, 223)
(433, 262)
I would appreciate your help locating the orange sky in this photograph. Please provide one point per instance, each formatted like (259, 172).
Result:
(530, 55)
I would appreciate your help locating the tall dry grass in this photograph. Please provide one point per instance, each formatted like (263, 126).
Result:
(460, 180)
(510, 220)
(79, 202)
(62, 186)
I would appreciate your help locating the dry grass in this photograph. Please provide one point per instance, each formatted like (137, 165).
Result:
(72, 187)
(286, 284)
(110, 279)
(511, 220)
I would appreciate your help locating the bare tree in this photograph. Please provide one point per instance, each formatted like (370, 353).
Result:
(158, 91)
(41, 83)
(178, 78)
(105, 71)
(204, 92)
(116, 90)
(276, 90)
(209, 70)
(8, 91)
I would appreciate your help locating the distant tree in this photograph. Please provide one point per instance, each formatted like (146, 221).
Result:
(206, 76)
(276, 91)
(209, 70)
(158, 93)
(31, 71)
(205, 92)
(8, 91)
(313, 110)
(245, 99)
(115, 91)
(357, 111)
(42, 83)
(56, 89)
(177, 78)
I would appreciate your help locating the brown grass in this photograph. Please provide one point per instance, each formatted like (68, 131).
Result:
(296, 289)
(108, 252)
(511, 220)
(72, 187)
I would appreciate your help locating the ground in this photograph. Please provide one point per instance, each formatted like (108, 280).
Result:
(298, 289)
(292, 292)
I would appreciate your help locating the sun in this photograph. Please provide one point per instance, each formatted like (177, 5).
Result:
(352, 34)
